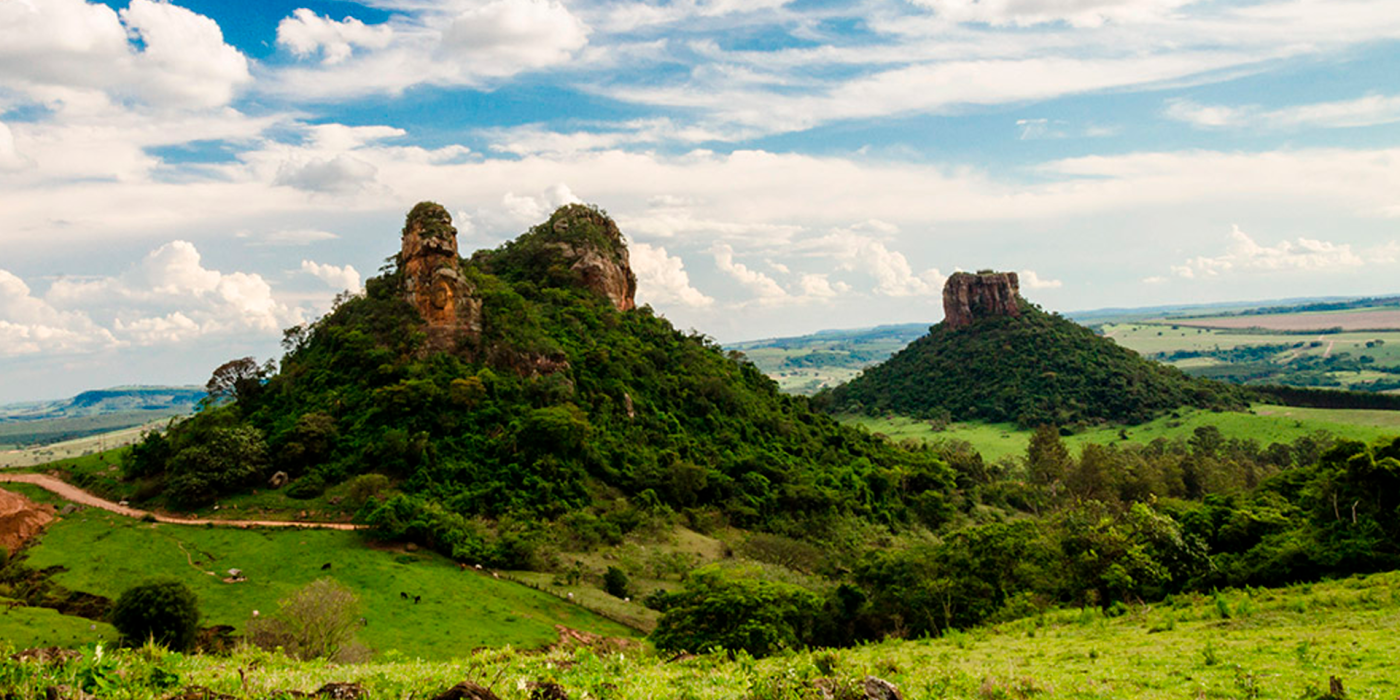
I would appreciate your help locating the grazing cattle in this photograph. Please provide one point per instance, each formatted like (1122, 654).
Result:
(416, 599)
(403, 595)
(326, 566)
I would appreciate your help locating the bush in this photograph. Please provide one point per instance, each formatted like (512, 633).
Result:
(615, 582)
(722, 610)
(164, 611)
(318, 621)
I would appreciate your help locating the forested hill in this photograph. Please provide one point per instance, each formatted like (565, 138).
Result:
(521, 385)
(1033, 368)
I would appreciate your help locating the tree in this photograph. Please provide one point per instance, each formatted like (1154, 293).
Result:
(318, 621)
(241, 380)
(615, 582)
(722, 610)
(164, 610)
(1047, 458)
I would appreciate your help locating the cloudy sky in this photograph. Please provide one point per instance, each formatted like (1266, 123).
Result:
(181, 180)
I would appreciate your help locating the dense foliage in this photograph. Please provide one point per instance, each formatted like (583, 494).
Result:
(1034, 369)
(570, 415)
(164, 611)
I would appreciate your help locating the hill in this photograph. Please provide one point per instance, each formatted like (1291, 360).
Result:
(516, 401)
(93, 412)
(998, 358)
(808, 363)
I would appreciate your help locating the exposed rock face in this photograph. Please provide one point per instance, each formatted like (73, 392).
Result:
(592, 246)
(968, 296)
(433, 279)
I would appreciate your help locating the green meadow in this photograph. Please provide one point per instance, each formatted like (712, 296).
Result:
(1283, 644)
(103, 554)
(1265, 423)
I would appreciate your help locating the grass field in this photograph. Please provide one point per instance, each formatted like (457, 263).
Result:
(1280, 644)
(461, 610)
(1266, 424)
(1372, 318)
(72, 449)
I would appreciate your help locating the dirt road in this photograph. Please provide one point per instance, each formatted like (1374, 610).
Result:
(77, 495)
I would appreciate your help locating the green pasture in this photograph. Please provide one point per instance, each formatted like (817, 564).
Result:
(460, 610)
(1265, 423)
(1282, 644)
(1165, 337)
(25, 628)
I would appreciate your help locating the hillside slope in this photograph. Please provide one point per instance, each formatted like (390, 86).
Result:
(520, 386)
(1018, 363)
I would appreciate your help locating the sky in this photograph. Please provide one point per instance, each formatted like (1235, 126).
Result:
(180, 181)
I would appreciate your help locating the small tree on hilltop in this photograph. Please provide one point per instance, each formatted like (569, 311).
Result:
(164, 611)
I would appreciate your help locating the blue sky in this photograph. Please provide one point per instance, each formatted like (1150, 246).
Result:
(180, 181)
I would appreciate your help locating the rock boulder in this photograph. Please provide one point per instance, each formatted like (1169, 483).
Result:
(968, 297)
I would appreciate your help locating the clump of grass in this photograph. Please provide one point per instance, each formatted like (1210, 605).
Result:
(1208, 655)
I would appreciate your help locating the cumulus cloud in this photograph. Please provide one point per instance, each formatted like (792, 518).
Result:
(894, 277)
(30, 325)
(155, 52)
(1030, 280)
(1243, 254)
(289, 237)
(1370, 110)
(10, 157)
(171, 297)
(339, 278)
(507, 36)
(662, 279)
(305, 33)
(766, 290)
(342, 174)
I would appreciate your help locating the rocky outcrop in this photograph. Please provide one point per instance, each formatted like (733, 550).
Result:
(434, 282)
(592, 247)
(968, 297)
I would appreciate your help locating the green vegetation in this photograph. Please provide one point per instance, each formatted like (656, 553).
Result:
(26, 627)
(1034, 369)
(1281, 644)
(163, 612)
(565, 424)
(101, 553)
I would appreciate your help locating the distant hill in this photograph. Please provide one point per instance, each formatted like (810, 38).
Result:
(806, 364)
(92, 412)
(996, 357)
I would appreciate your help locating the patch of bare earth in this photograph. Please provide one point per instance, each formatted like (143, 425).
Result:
(20, 519)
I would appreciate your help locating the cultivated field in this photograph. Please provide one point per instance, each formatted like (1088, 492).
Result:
(1387, 318)
(1266, 423)
(70, 449)
(1283, 644)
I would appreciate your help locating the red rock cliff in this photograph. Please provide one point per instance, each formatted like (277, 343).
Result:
(968, 296)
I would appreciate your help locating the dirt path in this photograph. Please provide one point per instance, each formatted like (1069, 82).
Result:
(77, 495)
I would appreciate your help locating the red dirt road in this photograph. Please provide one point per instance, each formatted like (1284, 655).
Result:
(77, 495)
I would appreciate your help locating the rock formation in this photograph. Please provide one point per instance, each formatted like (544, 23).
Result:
(433, 279)
(592, 246)
(968, 297)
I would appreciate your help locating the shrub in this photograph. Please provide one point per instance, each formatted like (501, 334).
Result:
(615, 582)
(318, 621)
(164, 611)
(366, 486)
(722, 610)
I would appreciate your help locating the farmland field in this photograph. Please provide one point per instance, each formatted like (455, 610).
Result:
(1265, 423)
(1347, 320)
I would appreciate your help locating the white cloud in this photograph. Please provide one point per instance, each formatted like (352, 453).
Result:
(1080, 13)
(893, 275)
(1243, 254)
(342, 174)
(10, 157)
(505, 37)
(339, 278)
(155, 52)
(765, 288)
(662, 279)
(1370, 110)
(289, 237)
(1030, 280)
(305, 33)
(29, 325)
(819, 286)
(171, 296)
